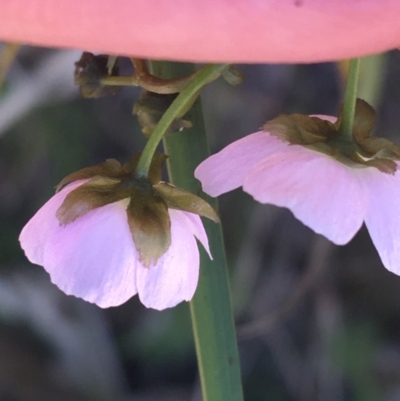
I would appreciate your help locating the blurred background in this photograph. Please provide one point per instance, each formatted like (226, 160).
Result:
(315, 321)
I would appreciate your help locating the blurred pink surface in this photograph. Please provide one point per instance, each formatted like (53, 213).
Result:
(208, 30)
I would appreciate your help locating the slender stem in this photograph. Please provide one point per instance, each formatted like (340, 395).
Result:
(147, 81)
(177, 108)
(119, 80)
(211, 311)
(155, 84)
(346, 125)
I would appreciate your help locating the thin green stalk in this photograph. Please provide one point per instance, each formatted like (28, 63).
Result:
(177, 108)
(211, 310)
(346, 125)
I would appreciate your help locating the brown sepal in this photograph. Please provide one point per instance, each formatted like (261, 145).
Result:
(150, 225)
(383, 165)
(111, 168)
(180, 199)
(130, 166)
(364, 120)
(380, 147)
(299, 129)
(155, 171)
(91, 195)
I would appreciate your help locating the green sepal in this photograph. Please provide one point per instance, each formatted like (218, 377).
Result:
(150, 224)
(364, 120)
(180, 199)
(325, 137)
(111, 168)
(383, 165)
(155, 170)
(379, 147)
(299, 129)
(91, 195)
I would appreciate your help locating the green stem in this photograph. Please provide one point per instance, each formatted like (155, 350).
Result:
(346, 125)
(177, 109)
(211, 311)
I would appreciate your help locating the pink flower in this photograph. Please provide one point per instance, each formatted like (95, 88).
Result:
(208, 30)
(95, 258)
(330, 197)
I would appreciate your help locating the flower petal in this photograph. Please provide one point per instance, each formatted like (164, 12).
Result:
(226, 170)
(321, 192)
(174, 278)
(39, 228)
(94, 258)
(196, 227)
(382, 217)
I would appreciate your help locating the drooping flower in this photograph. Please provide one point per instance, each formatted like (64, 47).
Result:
(108, 235)
(330, 184)
(208, 31)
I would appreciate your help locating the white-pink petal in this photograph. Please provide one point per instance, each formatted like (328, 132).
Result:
(227, 169)
(92, 258)
(35, 234)
(174, 278)
(196, 227)
(383, 215)
(321, 192)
